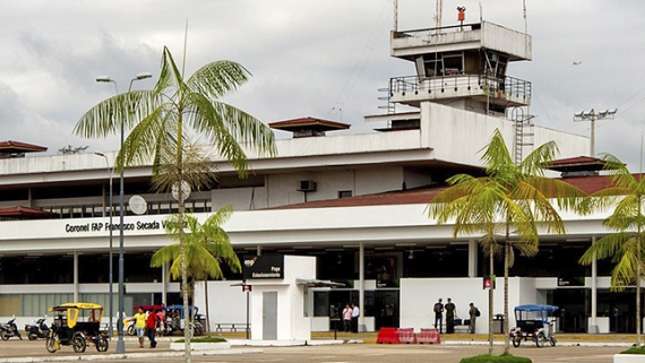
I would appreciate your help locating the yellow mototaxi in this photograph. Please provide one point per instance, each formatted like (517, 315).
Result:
(77, 324)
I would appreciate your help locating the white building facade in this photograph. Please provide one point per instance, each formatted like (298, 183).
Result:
(355, 201)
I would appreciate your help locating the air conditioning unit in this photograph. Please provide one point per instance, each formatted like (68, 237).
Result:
(307, 186)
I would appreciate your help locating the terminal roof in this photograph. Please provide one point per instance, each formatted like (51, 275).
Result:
(11, 146)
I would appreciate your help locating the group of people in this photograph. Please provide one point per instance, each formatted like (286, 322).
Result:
(351, 312)
(145, 324)
(449, 308)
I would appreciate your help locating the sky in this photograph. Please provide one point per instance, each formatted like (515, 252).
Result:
(308, 58)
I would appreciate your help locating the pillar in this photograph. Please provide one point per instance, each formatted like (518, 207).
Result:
(473, 248)
(164, 284)
(593, 326)
(76, 289)
(258, 251)
(361, 287)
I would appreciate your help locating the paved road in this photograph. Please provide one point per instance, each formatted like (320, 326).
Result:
(399, 354)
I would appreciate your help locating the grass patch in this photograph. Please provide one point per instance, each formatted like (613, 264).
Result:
(208, 339)
(635, 350)
(495, 359)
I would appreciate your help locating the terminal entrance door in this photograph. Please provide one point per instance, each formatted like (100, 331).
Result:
(575, 306)
(269, 315)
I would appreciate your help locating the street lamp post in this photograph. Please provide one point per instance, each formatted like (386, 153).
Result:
(110, 281)
(120, 344)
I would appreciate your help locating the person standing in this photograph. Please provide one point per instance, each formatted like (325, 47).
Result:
(450, 316)
(151, 328)
(347, 318)
(140, 325)
(473, 312)
(355, 314)
(438, 315)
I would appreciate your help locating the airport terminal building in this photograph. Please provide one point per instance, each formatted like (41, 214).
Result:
(355, 201)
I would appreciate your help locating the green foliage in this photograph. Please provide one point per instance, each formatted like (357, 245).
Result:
(626, 198)
(495, 359)
(510, 198)
(206, 245)
(635, 350)
(206, 339)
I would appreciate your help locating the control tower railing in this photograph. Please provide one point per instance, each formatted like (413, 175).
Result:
(508, 91)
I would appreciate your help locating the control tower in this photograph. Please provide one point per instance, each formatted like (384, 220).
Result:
(462, 66)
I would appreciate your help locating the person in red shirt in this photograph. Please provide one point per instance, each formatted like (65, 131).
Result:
(151, 328)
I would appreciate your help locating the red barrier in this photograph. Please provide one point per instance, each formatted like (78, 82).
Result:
(388, 336)
(406, 336)
(429, 336)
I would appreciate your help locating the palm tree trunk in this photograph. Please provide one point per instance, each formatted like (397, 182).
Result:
(184, 260)
(208, 319)
(491, 261)
(507, 338)
(638, 287)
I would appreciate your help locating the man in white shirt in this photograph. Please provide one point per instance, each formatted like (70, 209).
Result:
(355, 313)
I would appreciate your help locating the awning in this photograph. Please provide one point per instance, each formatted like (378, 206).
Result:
(318, 283)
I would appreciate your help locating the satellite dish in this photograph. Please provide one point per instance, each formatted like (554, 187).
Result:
(180, 191)
(138, 205)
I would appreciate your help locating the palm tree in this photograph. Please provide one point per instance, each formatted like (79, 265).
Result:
(505, 207)
(207, 248)
(624, 247)
(162, 120)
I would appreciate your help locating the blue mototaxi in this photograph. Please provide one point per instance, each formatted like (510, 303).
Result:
(534, 322)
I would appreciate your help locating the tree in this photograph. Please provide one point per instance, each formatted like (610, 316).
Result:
(207, 247)
(505, 207)
(625, 248)
(162, 121)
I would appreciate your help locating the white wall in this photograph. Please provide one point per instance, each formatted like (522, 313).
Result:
(240, 198)
(419, 295)
(459, 135)
(227, 304)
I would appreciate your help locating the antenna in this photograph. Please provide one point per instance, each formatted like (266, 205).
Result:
(396, 15)
(481, 12)
(526, 25)
(593, 116)
(438, 12)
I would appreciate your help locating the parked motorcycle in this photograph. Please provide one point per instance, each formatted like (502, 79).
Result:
(38, 330)
(9, 330)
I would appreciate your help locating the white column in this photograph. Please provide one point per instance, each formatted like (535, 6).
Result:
(472, 258)
(164, 284)
(76, 290)
(361, 286)
(593, 328)
(258, 251)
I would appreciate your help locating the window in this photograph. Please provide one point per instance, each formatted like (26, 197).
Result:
(344, 194)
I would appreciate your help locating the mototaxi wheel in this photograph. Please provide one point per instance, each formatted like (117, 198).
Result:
(517, 340)
(102, 343)
(32, 336)
(52, 344)
(78, 343)
(131, 330)
(4, 335)
(540, 340)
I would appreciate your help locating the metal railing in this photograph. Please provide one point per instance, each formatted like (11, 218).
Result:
(507, 87)
(434, 31)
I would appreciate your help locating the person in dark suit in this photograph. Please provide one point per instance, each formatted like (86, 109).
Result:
(450, 316)
(438, 315)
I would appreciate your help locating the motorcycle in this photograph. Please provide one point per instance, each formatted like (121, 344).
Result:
(9, 330)
(38, 330)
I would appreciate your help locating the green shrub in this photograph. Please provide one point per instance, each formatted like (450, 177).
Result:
(208, 339)
(495, 359)
(635, 350)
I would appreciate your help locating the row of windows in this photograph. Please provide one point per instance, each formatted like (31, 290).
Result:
(90, 211)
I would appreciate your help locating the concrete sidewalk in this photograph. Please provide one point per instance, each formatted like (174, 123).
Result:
(114, 356)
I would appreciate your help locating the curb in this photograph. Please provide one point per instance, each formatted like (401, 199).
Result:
(97, 357)
(559, 343)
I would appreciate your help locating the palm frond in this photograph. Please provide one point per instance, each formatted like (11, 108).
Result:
(217, 78)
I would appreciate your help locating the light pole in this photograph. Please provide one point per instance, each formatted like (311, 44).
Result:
(110, 280)
(120, 344)
(593, 116)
